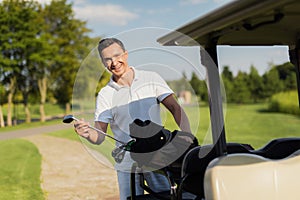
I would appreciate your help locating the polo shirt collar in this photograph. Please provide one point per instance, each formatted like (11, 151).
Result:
(116, 86)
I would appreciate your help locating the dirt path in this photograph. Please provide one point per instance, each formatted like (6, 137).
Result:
(69, 172)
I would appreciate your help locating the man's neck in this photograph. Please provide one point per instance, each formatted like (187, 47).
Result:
(126, 79)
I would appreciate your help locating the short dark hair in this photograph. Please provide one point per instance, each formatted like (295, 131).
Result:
(106, 42)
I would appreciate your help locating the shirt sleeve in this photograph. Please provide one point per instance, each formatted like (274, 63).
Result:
(162, 88)
(103, 111)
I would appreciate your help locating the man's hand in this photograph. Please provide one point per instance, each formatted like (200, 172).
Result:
(82, 128)
(186, 138)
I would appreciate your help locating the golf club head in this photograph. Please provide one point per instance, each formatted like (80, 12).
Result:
(69, 118)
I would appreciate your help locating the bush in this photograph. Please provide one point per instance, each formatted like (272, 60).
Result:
(285, 102)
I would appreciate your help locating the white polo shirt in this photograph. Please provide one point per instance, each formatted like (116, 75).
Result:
(121, 105)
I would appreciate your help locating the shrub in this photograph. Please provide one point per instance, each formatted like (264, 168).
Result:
(285, 102)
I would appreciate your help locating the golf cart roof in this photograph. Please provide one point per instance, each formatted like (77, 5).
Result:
(244, 23)
(251, 22)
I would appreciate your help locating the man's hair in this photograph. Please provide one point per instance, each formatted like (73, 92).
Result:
(104, 43)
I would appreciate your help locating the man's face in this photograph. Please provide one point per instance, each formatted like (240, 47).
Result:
(115, 59)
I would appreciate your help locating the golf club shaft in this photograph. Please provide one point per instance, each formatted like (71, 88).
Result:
(70, 118)
(99, 131)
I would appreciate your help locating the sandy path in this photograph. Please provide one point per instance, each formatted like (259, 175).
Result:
(69, 172)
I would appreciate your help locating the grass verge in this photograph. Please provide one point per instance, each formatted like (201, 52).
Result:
(20, 170)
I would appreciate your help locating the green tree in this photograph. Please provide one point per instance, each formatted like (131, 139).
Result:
(227, 78)
(69, 36)
(32, 25)
(271, 83)
(195, 83)
(227, 74)
(18, 29)
(2, 101)
(255, 84)
(287, 74)
(203, 91)
(7, 61)
(199, 87)
(241, 92)
(41, 48)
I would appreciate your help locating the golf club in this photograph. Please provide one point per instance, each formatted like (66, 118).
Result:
(69, 118)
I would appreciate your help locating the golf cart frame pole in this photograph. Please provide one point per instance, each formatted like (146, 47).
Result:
(209, 56)
(294, 53)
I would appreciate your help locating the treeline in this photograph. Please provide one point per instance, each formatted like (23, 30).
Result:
(41, 47)
(251, 87)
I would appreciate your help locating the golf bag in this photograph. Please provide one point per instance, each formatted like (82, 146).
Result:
(156, 147)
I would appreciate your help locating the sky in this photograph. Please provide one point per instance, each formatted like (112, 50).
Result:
(111, 18)
(127, 17)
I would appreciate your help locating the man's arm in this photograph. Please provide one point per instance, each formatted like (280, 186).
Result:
(82, 129)
(178, 113)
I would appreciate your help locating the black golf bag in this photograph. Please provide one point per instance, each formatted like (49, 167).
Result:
(156, 147)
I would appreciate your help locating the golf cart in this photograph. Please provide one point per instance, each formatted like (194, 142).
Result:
(225, 170)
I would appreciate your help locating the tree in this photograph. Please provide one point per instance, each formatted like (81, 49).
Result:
(241, 92)
(42, 62)
(6, 57)
(227, 74)
(40, 48)
(227, 78)
(32, 25)
(255, 84)
(203, 91)
(199, 87)
(195, 83)
(69, 36)
(18, 28)
(271, 83)
(287, 74)
(2, 101)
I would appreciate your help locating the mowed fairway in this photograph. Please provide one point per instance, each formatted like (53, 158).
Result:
(250, 124)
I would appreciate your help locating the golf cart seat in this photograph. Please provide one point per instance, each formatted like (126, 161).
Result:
(190, 181)
(195, 163)
(279, 148)
(248, 176)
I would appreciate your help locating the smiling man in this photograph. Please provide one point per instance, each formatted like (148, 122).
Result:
(130, 94)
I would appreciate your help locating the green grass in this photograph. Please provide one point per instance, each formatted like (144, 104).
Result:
(243, 123)
(21, 162)
(67, 133)
(20, 170)
(28, 125)
(250, 124)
